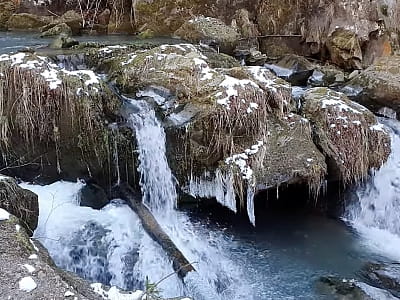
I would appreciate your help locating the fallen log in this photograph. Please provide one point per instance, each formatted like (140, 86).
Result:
(179, 263)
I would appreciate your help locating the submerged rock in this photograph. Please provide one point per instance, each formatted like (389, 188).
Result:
(63, 41)
(350, 289)
(378, 85)
(209, 31)
(347, 133)
(93, 196)
(385, 276)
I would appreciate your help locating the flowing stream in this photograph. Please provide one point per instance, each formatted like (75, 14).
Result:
(281, 258)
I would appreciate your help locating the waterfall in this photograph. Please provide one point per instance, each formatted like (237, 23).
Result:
(156, 179)
(216, 276)
(376, 216)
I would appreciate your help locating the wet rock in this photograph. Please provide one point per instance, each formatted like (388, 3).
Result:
(19, 202)
(326, 75)
(345, 49)
(210, 31)
(63, 41)
(21, 257)
(7, 8)
(28, 22)
(57, 30)
(345, 289)
(346, 132)
(293, 68)
(292, 157)
(378, 85)
(93, 196)
(385, 276)
(147, 34)
(70, 19)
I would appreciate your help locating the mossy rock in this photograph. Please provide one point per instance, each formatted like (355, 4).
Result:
(19, 202)
(347, 133)
(56, 30)
(379, 85)
(28, 22)
(209, 31)
(71, 132)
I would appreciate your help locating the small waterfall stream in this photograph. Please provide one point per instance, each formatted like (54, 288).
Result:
(377, 214)
(217, 277)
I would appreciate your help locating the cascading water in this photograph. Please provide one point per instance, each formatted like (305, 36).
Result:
(216, 277)
(377, 214)
(110, 245)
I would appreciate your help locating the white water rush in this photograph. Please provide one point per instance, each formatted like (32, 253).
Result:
(110, 246)
(377, 214)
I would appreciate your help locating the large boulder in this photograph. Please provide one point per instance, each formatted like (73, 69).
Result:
(55, 122)
(28, 22)
(345, 49)
(19, 202)
(378, 85)
(209, 31)
(7, 8)
(347, 133)
(223, 121)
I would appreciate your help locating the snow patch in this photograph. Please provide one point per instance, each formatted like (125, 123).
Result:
(30, 268)
(240, 160)
(4, 215)
(27, 284)
(230, 84)
(33, 256)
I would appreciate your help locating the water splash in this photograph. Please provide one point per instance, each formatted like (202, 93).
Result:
(377, 214)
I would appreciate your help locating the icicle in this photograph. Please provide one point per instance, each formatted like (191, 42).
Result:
(250, 204)
(219, 186)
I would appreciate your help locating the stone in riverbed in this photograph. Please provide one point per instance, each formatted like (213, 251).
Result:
(19, 202)
(209, 31)
(386, 276)
(347, 133)
(28, 22)
(61, 28)
(63, 41)
(350, 289)
(378, 85)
